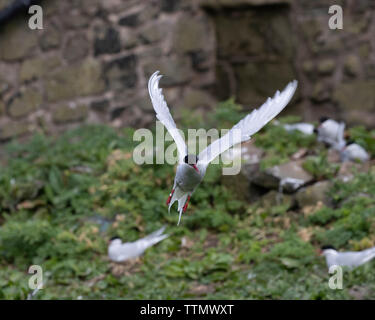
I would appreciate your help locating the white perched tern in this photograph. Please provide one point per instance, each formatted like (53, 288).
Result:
(331, 132)
(119, 251)
(354, 152)
(349, 259)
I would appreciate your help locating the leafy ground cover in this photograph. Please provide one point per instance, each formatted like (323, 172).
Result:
(62, 199)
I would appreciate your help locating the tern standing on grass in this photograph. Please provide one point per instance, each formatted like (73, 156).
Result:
(191, 168)
(349, 259)
(119, 251)
(331, 132)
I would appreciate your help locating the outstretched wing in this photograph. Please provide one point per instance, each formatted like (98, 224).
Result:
(249, 125)
(163, 114)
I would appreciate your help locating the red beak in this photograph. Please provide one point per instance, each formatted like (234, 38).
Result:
(195, 167)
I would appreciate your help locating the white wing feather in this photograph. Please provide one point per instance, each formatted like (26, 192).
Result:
(249, 125)
(163, 114)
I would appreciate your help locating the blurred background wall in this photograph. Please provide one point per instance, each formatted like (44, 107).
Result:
(92, 60)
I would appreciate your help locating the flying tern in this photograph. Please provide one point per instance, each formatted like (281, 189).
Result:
(192, 168)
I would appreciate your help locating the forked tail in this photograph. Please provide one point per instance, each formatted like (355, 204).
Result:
(182, 197)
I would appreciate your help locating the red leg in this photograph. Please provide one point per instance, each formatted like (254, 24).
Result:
(186, 204)
(170, 196)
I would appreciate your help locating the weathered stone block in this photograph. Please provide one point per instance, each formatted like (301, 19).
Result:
(12, 129)
(69, 113)
(25, 102)
(352, 65)
(75, 20)
(176, 70)
(364, 50)
(38, 67)
(321, 92)
(77, 47)
(129, 39)
(17, 40)
(308, 67)
(273, 198)
(50, 39)
(311, 195)
(356, 95)
(90, 7)
(288, 176)
(76, 80)
(326, 66)
(154, 32)
(190, 34)
(121, 73)
(2, 108)
(107, 41)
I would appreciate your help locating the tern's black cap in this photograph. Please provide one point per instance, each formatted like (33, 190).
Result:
(323, 119)
(350, 142)
(114, 238)
(191, 159)
(326, 247)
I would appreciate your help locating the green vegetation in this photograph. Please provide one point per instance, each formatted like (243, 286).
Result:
(280, 144)
(320, 167)
(62, 200)
(364, 138)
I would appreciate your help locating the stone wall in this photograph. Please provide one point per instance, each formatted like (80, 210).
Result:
(92, 60)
